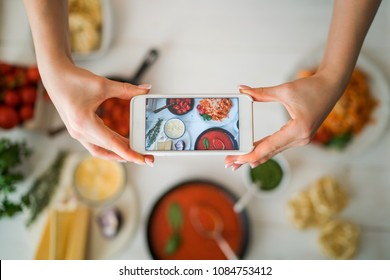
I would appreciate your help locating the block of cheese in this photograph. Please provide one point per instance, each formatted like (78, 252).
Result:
(164, 146)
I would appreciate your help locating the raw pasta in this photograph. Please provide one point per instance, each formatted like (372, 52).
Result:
(85, 21)
(315, 206)
(339, 239)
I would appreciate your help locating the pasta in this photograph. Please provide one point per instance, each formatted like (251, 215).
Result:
(85, 21)
(216, 108)
(339, 239)
(315, 206)
(351, 113)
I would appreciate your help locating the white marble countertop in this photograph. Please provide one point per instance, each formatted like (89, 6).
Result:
(212, 47)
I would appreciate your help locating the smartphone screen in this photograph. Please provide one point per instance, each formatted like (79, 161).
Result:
(189, 124)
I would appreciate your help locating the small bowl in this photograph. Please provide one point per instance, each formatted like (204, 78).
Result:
(276, 191)
(88, 180)
(174, 111)
(172, 128)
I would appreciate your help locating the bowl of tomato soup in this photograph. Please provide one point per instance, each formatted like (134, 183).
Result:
(171, 234)
(216, 138)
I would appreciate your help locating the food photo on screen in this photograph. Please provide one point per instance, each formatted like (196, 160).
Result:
(189, 124)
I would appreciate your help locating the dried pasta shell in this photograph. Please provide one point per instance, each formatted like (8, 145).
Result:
(89, 7)
(339, 239)
(328, 198)
(300, 210)
(84, 37)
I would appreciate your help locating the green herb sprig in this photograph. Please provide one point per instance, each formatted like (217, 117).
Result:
(43, 188)
(151, 135)
(12, 155)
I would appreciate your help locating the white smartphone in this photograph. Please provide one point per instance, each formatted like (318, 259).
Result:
(191, 124)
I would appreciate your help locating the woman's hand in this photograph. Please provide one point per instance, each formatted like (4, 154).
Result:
(308, 101)
(77, 94)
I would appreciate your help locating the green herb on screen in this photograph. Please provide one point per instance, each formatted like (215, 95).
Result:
(151, 135)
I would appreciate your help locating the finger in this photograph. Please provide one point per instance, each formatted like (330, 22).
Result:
(229, 161)
(110, 140)
(125, 90)
(270, 146)
(263, 94)
(101, 152)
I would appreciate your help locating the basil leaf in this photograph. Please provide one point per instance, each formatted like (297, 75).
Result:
(206, 117)
(206, 143)
(341, 141)
(172, 244)
(175, 216)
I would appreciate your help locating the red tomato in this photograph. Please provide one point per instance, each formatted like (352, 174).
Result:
(5, 68)
(29, 94)
(322, 137)
(26, 112)
(8, 117)
(32, 74)
(20, 77)
(10, 81)
(12, 98)
(122, 129)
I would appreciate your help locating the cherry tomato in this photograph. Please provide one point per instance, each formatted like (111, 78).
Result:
(322, 137)
(32, 74)
(12, 98)
(26, 112)
(5, 68)
(8, 117)
(29, 95)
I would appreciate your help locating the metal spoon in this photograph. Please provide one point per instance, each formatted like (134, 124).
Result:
(214, 233)
(246, 197)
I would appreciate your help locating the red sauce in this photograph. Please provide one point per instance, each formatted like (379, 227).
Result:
(195, 245)
(215, 140)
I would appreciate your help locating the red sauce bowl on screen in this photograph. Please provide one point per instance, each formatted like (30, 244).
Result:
(180, 106)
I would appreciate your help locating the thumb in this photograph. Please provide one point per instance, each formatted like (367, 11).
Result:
(125, 90)
(263, 94)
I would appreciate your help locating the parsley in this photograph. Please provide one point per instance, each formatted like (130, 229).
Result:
(12, 155)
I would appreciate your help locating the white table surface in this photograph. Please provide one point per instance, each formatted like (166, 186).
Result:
(212, 47)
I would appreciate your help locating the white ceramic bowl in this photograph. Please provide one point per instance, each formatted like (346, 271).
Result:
(174, 128)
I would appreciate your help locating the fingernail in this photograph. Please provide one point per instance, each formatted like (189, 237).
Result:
(149, 162)
(145, 86)
(227, 165)
(234, 168)
(243, 87)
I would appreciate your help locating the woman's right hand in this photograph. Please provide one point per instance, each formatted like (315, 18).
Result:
(77, 94)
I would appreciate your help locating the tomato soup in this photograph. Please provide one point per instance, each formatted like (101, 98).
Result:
(191, 244)
(216, 139)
